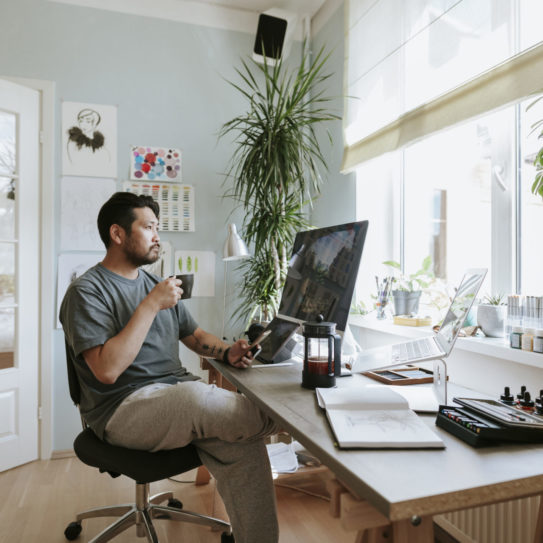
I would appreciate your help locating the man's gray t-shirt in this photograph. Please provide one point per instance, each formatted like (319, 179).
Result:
(96, 307)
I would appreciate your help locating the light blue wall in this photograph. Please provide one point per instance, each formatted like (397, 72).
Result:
(337, 203)
(168, 81)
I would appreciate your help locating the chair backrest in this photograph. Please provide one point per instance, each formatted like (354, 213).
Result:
(73, 381)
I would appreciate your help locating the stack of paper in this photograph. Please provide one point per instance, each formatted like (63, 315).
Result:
(282, 458)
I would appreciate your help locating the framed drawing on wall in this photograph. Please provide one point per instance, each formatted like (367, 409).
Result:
(89, 140)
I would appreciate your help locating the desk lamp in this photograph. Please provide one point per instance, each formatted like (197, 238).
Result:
(234, 249)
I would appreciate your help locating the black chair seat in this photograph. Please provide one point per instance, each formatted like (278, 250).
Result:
(142, 466)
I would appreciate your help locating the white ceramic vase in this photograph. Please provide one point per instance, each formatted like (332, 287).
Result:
(491, 319)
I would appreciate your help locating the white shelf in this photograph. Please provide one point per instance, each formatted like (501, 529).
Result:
(495, 347)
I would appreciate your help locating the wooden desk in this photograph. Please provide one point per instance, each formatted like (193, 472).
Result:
(403, 485)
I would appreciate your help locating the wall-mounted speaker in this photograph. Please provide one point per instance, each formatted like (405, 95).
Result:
(270, 36)
(274, 35)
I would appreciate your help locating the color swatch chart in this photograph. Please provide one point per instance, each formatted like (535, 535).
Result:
(176, 203)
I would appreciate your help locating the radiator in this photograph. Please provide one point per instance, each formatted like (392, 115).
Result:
(508, 522)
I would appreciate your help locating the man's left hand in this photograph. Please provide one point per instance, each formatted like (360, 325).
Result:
(239, 354)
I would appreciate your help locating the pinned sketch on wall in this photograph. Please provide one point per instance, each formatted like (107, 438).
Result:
(80, 201)
(202, 265)
(163, 266)
(89, 140)
(70, 267)
(155, 163)
(176, 203)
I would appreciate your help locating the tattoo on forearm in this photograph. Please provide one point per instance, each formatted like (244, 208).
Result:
(211, 348)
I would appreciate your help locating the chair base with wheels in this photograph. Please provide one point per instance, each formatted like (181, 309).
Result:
(144, 467)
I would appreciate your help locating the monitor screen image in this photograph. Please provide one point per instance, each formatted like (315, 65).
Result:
(322, 273)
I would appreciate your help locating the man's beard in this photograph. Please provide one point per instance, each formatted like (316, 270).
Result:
(141, 260)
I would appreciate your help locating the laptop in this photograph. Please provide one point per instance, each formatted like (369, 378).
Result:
(428, 348)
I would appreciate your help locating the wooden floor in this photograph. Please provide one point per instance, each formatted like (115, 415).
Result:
(39, 499)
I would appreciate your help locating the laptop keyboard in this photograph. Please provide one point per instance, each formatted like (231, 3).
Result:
(421, 348)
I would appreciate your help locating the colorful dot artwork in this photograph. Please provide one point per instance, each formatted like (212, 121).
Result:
(155, 163)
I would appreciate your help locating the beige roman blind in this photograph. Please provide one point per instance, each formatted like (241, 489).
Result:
(417, 66)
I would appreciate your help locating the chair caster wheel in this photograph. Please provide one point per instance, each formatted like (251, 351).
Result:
(173, 502)
(72, 531)
(227, 538)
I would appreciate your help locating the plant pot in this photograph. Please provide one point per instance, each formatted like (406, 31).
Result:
(491, 319)
(406, 302)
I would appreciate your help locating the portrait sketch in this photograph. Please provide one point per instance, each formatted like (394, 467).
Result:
(80, 201)
(89, 140)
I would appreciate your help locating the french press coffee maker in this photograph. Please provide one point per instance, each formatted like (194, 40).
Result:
(322, 354)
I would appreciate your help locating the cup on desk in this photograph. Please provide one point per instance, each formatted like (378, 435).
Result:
(187, 281)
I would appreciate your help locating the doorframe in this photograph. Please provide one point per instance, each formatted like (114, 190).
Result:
(47, 263)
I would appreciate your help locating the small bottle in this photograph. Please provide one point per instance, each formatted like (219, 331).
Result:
(538, 341)
(509, 318)
(520, 395)
(527, 404)
(527, 341)
(516, 337)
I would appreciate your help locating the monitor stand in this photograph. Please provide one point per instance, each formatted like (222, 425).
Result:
(440, 380)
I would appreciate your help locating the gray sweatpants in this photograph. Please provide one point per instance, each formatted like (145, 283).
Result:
(226, 428)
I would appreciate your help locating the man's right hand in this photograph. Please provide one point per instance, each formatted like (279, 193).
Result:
(166, 294)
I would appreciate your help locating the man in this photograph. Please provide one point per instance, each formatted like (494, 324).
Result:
(122, 327)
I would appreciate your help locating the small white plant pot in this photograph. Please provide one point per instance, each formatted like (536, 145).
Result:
(491, 319)
(406, 302)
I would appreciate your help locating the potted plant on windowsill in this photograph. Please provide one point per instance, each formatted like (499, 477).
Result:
(491, 315)
(408, 288)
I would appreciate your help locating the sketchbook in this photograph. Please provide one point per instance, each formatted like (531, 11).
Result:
(374, 417)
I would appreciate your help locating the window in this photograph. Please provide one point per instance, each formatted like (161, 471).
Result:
(441, 108)
(466, 199)
(530, 260)
(451, 188)
(8, 123)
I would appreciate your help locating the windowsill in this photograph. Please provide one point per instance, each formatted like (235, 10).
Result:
(495, 347)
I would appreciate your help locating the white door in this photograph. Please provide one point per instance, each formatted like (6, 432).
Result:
(19, 273)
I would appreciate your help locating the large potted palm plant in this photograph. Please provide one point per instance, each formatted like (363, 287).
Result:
(274, 171)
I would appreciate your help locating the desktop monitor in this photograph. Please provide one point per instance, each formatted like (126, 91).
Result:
(320, 281)
(322, 273)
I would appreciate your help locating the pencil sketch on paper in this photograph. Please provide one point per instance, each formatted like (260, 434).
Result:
(81, 199)
(89, 140)
(382, 421)
(70, 267)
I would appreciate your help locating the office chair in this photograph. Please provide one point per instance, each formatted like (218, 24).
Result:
(144, 468)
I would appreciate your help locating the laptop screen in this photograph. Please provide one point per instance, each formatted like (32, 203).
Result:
(459, 308)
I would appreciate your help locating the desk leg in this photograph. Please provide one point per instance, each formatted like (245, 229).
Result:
(405, 532)
(215, 377)
(376, 535)
(371, 525)
(538, 537)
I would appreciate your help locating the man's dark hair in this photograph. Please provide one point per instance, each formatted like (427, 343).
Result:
(119, 209)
